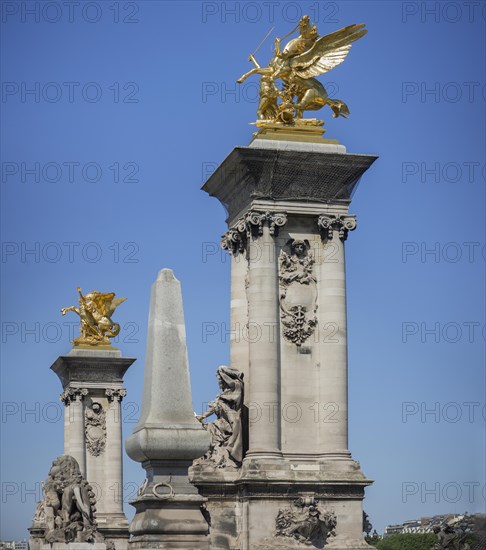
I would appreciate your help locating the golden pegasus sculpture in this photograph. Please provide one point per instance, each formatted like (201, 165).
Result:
(95, 311)
(296, 65)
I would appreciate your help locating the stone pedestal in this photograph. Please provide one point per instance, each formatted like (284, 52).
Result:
(169, 510)
(288, 219)
(75, 546)
(92, 381)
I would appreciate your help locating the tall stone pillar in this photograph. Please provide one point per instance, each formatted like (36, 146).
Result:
(74, 437)
(264, 389)
(113, 462)
(288, 212)
(92, 381)
(332, 318)
(239, 337)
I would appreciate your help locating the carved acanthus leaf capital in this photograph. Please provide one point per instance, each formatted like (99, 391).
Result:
(118, 394)
(256, 220)
(328, 223)
(73, 394)
(251, 225)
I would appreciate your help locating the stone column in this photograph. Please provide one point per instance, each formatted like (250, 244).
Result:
(76, 444)
(67, 414)
(235, 243)
(74, 441)
(239, 346)
(263, 315)
(332, 314)
(113, 463)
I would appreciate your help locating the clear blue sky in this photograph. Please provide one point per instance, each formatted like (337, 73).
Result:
(131, 104)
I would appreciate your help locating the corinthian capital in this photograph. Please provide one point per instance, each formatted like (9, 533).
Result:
(236, 238)
(117, 394)
(255, 221)
(328, 223)
(73, 394)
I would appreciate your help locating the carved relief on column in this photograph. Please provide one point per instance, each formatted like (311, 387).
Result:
(298, 291)
(95, 429)
(306, 523)
(117, 394)
(235, 240)
(73, 394)
(328, 223)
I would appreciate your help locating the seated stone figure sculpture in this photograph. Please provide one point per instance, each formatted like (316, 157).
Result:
(68, 508)
(226, 449)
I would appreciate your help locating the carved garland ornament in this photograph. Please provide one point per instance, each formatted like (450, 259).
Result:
(305, 523)
(95, 429)
(298, 292)
(236, 238)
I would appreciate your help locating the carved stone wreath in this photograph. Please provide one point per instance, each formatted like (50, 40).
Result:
(95, 429)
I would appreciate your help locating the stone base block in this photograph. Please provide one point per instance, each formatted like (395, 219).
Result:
(170, 522)
(169, 543)
(74, 546)
(244, 510)
(114, 527)
(280, 545)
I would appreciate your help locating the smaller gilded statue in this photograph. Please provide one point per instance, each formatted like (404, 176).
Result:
(95, 311)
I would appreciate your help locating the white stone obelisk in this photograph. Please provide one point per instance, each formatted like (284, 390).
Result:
(168, 437)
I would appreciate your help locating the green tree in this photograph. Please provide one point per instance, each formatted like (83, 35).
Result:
(407, 541)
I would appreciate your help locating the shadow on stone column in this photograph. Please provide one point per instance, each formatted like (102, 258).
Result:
(169, 509)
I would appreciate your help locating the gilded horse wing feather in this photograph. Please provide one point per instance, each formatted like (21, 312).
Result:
(113, 305)
(328, 52)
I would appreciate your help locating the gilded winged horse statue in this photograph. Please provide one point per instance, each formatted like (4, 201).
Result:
(296, 65)
(95, 311)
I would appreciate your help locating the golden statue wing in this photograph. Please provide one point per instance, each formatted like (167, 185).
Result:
(112, 305)
(328, 52)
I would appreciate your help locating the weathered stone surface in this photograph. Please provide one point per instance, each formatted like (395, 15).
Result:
(167, 428)
(75, 546)
(295, 361)
(92, 381)
(67, 513)
(168, 436)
